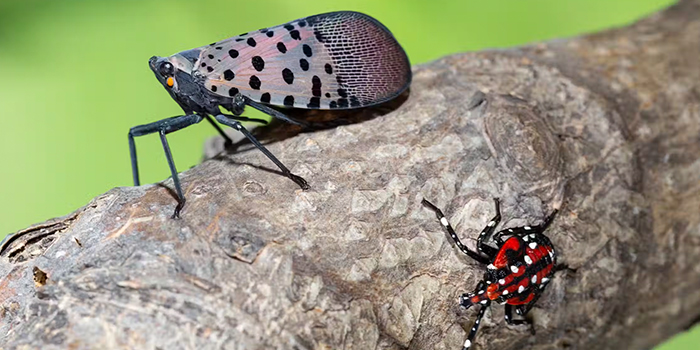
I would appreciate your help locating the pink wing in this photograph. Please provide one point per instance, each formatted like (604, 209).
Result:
(333, 60)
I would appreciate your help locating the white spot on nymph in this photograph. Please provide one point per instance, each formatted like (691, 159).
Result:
(477, 321)
(521, 289)
(533, 245)
(505, 292)
(528, 260)
(484, 302)
(534, 279)
(507, 317)
(443, 221)
(532, 236)
(488, 282)
(491, 223)
(491, 267)
(473, 329)
(519, 312)
(467, 344)
(514, 268)
(545, 280)
(480, 292)
(510, 230)
(525, 239)
(501, 281)
(527, 227)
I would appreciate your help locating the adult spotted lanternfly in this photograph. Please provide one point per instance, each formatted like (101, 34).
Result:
(517, 272)
(337, 60)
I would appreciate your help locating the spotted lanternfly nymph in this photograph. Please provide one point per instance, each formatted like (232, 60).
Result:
(517, 272)
(337, 60)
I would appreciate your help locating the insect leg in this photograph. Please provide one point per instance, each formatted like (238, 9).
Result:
(162, 127)
(275, 113)
(443, 220)
(227, 140)
(509, 316)
(488, 231)
(525, 230)
(230, 121)
(475, 327)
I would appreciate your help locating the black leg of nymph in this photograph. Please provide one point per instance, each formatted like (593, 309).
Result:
(230, 121)
(525, 230)
(488, 231)
(509, 317)
(475, 327)
(162, 127)
(443, 220)
(466, 301)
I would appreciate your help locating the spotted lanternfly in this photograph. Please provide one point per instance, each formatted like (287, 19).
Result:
(337, 60)
(517, 272)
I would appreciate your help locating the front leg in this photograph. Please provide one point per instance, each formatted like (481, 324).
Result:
(526, 230)
(162, 127)
(443, 220)
(488, 231)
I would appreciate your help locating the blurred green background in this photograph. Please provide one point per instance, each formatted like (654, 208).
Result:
(74, 78)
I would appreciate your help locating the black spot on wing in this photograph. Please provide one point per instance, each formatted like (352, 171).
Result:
(307, 50)
(251, 42)
(289, 101)
(304, 64)
(314, 102)
(254, 82)
(232, 92)
(281, 47)
(265, 98)
(316, 86)
(229, 75)
(233, 53)
(295, 35)
(258, 63)
(288, 76)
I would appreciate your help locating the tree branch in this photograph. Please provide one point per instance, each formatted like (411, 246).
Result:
(603, 126)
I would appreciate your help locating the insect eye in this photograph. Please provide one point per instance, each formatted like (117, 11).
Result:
(166, 69)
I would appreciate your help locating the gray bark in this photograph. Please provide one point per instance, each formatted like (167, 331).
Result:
(605, 127)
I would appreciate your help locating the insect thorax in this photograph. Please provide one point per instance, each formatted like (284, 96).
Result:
(516, 276)
(191, 94)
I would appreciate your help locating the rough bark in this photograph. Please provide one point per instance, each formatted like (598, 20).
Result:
(605, 126)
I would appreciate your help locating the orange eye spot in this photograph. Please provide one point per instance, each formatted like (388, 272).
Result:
(170, 81)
